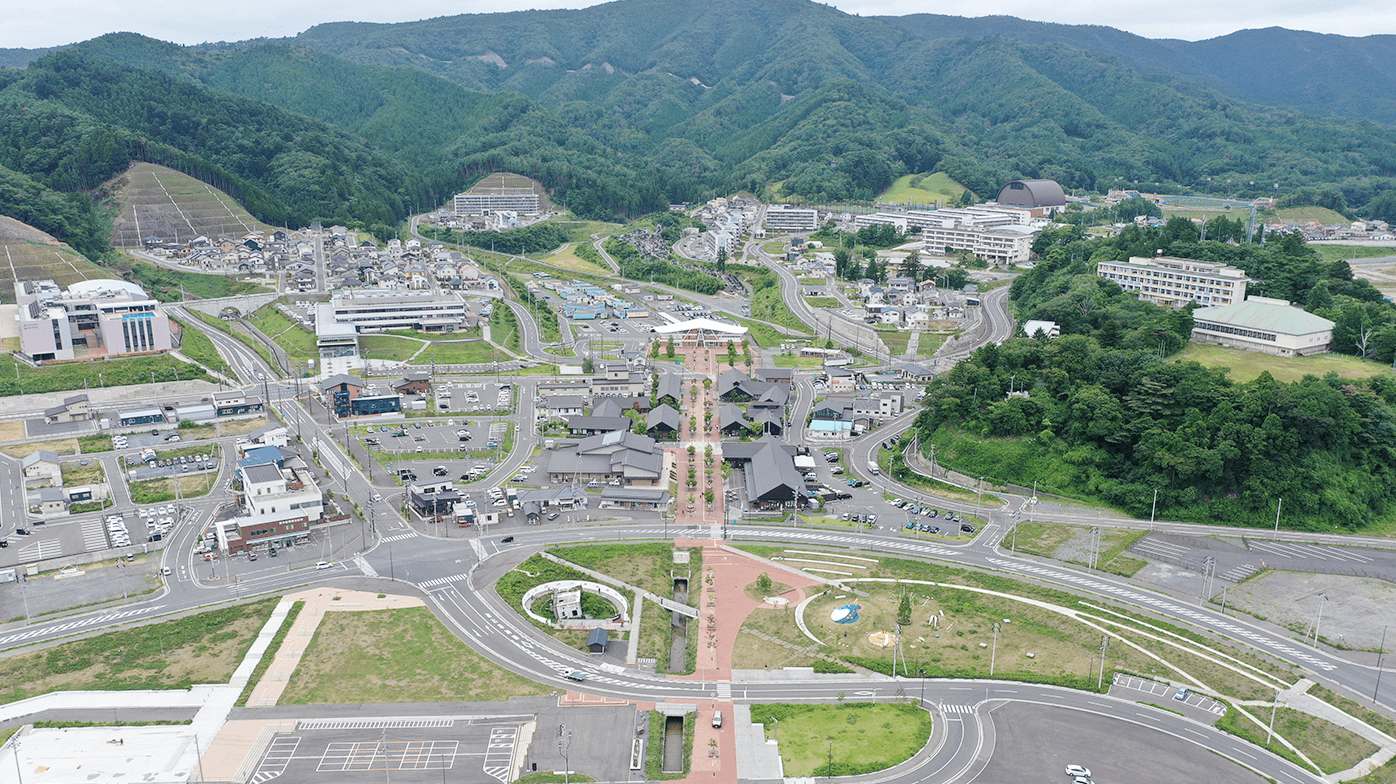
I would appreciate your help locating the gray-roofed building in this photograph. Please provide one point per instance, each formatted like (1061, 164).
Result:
(917, 373)
(634, 498)
(42, 465)
(770, 420)
(782, 375)
(731, 420)
(670, 390)
(663, 421)
(629, 457)
(1032, 193)
(1264, 324)
(593, 425)
(769, 470)
(566, 405)
(607, 407)
(596, 641)
(72, 409)
(146, 415)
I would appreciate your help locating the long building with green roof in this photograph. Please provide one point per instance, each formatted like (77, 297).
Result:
(1263, 324)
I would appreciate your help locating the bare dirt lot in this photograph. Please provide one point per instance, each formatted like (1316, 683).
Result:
(1291, 599)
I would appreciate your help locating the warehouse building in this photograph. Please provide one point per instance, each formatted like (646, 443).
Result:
(1263, 324)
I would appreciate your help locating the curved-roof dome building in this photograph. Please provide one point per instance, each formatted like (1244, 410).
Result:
(1032, 193)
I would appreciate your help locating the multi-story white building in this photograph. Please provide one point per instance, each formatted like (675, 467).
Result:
(1165, 280)
(782, 218)
(516, 200)
(278, 504)
(1005, 244)
(370, 310)
(91, 320)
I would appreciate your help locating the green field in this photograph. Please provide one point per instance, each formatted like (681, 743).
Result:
(823, 302)
(1246, 365)
(295, 340)
(1349, 252)
(859, 737)
(767, 305)
(504, 328)
(21, 260)
(198, 347)
(934, 188)
(896, 342)
(161, 202)
(388, 347)
(461, 353)
(166, 285)
(402, 655)
(1323, 215)
(67, 376)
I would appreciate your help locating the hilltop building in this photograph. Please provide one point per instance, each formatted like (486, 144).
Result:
(1263, 324)
(515, 200)
(1043, 196)
(93, 319)
(1165, 280)
(781, 218)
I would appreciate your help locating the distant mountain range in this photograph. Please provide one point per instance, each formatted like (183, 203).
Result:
(623, 107)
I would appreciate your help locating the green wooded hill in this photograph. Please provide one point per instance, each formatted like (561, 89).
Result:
(621, 108)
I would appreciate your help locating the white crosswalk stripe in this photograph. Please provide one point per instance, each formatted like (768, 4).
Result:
(442, 581)
(399, 537)
(966, 709)
(1239, 573)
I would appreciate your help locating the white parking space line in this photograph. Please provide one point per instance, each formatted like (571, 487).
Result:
(1291, 550)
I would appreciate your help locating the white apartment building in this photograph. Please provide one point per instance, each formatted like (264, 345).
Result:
(277, 505)
(516, 200)
(1009, 244)
(783, 218)
(1165, 280)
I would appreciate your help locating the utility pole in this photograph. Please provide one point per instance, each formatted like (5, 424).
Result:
(1104, 643)
(1380, 652)
(1279, 504)
(1152, 509)
(993, 652)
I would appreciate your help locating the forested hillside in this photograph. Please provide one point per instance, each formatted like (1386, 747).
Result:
(622, 108)
(1103, 413)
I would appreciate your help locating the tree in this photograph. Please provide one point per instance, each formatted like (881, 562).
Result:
(669, 348)
(911, 268)
(904, 611)
(588, 365)
(722, 258)
(764, 583)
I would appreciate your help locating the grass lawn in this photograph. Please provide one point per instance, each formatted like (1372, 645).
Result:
(767, 305)
(866, 737)
(896, 342)
(68, 376)
(1247, 365)
(295, 340)
(197, 346)
(823, 302)
(60, 446)
(504, 327)
(931, 189)
(402, 655)
(792, 361)
(1309, 212)
(156, 491)
(645, 566)
(567, 259)
(93, 444)
(1349, 252)
(461, 353)
(1330, 746)
(166, 284)
(90, 474)
(388, 347)
(202, 648)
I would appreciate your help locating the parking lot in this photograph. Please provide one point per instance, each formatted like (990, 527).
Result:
(474, 437)
(472, 399)
(140, 468)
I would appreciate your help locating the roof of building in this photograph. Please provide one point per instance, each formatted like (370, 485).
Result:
(1266, 315)
(336, 380)
(598, 636)
(729, 414)
(559, 402)
(261, 455)
(261, 472)
(701, 323)
(770, 473)
(41, 456)
(607, 407)
(634, 495)
(599, 423)
(774, 374)
(663, 415)
(670, 384)
(1032, 193)
(829, 426)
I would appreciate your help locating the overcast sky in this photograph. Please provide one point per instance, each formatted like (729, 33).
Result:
(52, 22)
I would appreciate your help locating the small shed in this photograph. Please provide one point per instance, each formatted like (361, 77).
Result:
(596, 641)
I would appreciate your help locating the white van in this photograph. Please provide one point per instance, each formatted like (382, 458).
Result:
(717, 720)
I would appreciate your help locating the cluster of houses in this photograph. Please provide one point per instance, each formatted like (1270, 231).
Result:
(905, 302)
(726, 221)
(585, 301)
(45, 493)
(1359, 231)
(350, 261)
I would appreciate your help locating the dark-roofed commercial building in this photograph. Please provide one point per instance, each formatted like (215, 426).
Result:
(413, 382)
(593, 425)
(731, 420)
(1263, 324)
(1032, 194)
(663, 421)
(633, 459)
(670, 390)
(634, 498)
(768, 466)
(340, 391)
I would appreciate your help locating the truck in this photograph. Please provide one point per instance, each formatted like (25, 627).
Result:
(873, 468)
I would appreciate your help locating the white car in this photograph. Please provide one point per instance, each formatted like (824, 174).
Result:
(1078, 771)
(321, 565)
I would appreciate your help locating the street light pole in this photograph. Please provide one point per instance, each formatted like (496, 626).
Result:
(1380, 652)
(1152, 509)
